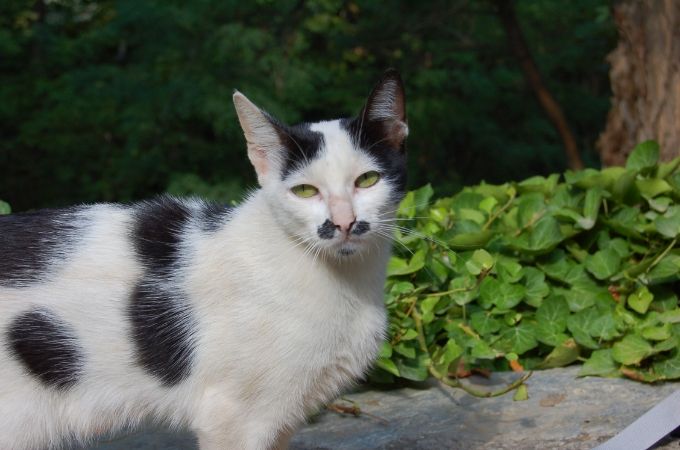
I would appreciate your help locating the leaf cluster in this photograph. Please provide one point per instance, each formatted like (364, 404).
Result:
(541, 273)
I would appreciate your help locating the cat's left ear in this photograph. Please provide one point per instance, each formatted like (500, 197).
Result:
(263, 136)
(386, 106)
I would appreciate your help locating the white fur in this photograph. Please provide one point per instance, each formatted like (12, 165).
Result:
(284, 322)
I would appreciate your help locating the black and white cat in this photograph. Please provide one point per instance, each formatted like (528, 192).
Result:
(233, 323)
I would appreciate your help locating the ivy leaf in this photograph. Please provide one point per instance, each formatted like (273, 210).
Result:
(604, 263)
(668, 369)
(536, 287)
(546, 234)
(669, 223)
(387, 365)
(484, 323)
(630, 350)
(481, 260)
(519, 339)
(644, 156)
(553, 312)
(601, 363)
(640, 300)
(562, 355)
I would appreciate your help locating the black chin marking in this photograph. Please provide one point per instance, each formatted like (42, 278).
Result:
(360, 227)
(344, 251)
(326, 230)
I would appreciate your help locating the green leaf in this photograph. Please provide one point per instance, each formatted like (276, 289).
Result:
(480, 261)
(5, 208)
(553, 312)
(640, 300)
(405, 350)
(601, 363)
(484, 323)
(385, 350)
(644, 156)
(657, 333)
(398, 266)
(481, 350)
(604, 263)
(451, 351)
(521, 393)
(509, 270)
(562, 355)
(651, 187)
(545, 234)
(631, 350)
(669, 223)
(591, 208)
(668, 369)
(387, 365)
(519, 339)
(536, 287)
(667, 269)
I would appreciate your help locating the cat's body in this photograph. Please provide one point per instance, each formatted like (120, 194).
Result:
(233, 323)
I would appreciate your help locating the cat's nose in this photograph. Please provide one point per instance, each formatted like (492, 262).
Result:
(345, 225)
(342, 214)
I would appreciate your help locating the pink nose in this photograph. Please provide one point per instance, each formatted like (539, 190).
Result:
(345, 225)
(342, 214)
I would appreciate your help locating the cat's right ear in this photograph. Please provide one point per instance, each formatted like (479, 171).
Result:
(262, 135)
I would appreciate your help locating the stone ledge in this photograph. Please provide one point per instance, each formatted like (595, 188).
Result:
(562, 412)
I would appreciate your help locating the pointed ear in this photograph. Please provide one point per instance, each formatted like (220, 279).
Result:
(387, 105)
(262, 136)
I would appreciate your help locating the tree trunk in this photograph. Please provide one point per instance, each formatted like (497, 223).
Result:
(645, 78)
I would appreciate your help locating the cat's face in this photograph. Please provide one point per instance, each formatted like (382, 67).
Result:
(333, 186)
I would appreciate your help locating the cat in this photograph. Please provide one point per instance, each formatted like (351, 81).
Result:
(234, 323)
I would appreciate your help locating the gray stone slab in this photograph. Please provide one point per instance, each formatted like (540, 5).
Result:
(562, 412)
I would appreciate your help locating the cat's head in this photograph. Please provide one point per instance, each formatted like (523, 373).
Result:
(333, 184)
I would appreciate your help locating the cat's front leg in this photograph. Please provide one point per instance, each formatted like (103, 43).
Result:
(225, 423)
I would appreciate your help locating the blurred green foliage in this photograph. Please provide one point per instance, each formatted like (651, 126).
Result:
(118, 100)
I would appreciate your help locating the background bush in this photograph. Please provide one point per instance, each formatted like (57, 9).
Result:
(120, 100)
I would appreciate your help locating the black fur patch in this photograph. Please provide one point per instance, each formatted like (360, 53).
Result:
(162, 324)
(302, 145)
(46, 347)
(158, 228)
(161, 319)
(370, 136)
(29, 242)
(212, 216)
(360, 227)
(326, 230)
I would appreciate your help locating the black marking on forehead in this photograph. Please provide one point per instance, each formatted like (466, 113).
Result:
(326, 230)
(370, 137)
(30, 243)
(162, 325)
(302, 145)
(361, 227)
(157, 233)
(46, 347)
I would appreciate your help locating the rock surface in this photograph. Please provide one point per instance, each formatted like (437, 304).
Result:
(562, 412)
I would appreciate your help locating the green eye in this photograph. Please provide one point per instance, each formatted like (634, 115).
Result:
(305, 190)
(367, 180)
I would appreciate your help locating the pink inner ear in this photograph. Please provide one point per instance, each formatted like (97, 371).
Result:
(258, 158)
(395, 132)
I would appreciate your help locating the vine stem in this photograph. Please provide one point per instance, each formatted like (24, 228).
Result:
(661, 255)
(454, 382)
(497, 214)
